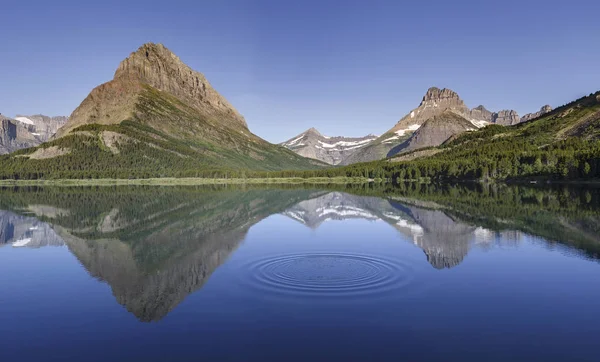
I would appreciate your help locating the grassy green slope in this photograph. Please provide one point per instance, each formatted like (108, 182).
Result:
(164, 138)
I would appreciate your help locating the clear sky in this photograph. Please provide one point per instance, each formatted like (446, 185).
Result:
(345, 67)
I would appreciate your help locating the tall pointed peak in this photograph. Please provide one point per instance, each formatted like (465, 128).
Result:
(313, 131)
(147, 56)
(157, 66)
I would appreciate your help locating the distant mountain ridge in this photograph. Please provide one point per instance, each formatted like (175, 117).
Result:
(27, 131)
(15, 136)
(434, 103)
(331, 150)
(43, 126)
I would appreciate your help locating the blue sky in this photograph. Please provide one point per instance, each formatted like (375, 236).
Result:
(345, 67)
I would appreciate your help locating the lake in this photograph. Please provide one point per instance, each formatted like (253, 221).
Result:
(277, 273)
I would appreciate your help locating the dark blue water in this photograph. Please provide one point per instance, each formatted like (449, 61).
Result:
(272, 275)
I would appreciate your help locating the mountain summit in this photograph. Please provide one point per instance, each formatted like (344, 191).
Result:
(155, 66)
(158, 67)
(435, 102)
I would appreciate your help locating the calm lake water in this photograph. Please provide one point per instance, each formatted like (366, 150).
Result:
(415, 272)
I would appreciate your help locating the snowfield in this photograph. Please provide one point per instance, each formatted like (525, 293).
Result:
(24, 120)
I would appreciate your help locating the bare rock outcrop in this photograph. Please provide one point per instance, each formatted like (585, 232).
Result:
(15, 136)
(529, 116)
(506, 118)
(435, 102)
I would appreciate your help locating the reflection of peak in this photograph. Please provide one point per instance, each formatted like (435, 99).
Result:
(441, 260)
(444, 240)
(25, 231)
(151, 293)
(333, 206)
(153, 259)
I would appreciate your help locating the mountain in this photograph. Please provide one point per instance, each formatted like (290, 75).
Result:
(42, 126)
(562, 144)
(156, 117)
(434, 103)
(436, 131)
(15, 135)
(331, 150)
(529, 116)
(155, 246)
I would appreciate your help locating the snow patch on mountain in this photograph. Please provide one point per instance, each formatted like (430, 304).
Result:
(290, 143)
(479, 123)
(21, 242)
(345, 143)
(24, 120)
(411, 128)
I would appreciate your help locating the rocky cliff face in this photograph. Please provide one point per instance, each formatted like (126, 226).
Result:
(481, 114)
(332, 150)
(15, 136)
(157, 66)
(506, 118)
(27, 131)
(44, 127)
(529, 116)
(435, 102)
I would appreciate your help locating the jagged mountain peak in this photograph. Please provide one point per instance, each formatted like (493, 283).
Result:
(157, 66)
(150, 69)
(437, 94)
(434, 102)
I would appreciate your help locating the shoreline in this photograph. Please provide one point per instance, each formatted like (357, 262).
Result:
(172, 181)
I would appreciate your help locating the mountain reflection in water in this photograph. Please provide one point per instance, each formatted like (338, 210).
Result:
(156, 246)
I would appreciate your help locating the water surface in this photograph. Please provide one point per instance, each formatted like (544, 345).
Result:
(414, 272)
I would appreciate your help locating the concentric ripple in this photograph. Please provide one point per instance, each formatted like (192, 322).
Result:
(328, 274)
